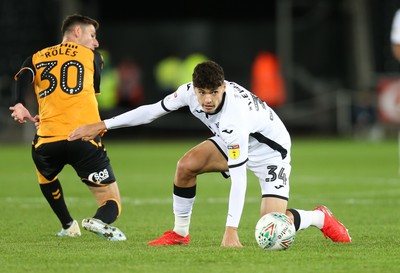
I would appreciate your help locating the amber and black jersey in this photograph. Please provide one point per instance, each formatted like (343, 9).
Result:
(66, 80)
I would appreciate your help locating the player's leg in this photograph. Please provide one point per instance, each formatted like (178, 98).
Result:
(273, 204)
(90, 161)
(203, 158)
(274, 183)
(322, 218)
(275, 191)
(108, 199)
(109, 202)
(53, 192)
(48, 164)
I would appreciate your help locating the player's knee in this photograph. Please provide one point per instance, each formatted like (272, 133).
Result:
(186, 168)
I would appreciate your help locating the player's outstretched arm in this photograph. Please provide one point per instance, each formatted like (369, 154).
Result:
(88, 132)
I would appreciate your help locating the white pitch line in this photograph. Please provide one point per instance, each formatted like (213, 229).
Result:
(34, 202)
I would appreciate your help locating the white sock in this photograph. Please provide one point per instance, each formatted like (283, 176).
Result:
(182, 224)
(318, 219)
(311, 218)
(182, 211)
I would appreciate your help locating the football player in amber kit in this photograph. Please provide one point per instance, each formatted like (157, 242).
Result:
(66, 80)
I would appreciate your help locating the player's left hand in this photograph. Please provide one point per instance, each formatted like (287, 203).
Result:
(231, 238)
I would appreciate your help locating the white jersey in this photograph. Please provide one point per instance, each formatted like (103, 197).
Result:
(249, 127)
(253, 134)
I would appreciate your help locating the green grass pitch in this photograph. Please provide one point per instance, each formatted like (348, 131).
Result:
(358, 180)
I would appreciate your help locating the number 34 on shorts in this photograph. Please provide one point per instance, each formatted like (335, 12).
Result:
(275, 180)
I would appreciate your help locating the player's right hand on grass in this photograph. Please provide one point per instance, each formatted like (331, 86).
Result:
(231, 238)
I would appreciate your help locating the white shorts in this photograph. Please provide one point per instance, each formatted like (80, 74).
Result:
(274, 179)
(273, 176)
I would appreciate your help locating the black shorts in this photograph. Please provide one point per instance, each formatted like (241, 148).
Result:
(88, 158)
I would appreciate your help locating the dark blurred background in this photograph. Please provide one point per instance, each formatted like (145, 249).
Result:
(331, 59)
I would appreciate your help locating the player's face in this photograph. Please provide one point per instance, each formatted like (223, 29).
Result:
(210, 99)
(88, 37)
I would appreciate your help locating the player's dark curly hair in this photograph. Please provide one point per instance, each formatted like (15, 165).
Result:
(73, 19)
(208, 75)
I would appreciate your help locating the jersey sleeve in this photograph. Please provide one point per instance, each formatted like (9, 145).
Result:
(24, 78)
(237, 195)
(237, 149)
(234, 131)
(141, 115)
(98, 67)
(147, 113)
(180, 98)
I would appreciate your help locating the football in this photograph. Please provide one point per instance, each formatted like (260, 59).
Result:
(275, 231)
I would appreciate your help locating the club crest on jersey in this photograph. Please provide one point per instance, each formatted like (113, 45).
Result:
(234, 151)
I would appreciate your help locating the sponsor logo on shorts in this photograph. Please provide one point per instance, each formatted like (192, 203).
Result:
(97, 177)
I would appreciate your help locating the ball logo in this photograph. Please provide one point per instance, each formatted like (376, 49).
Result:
(275, 231)
(97, 177)
(285, 229)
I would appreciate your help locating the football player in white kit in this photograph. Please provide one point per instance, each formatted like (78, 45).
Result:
(247, 135)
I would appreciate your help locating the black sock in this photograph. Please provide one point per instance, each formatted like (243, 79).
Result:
(185, 192)
(108, 212)
(296, 217)
(54, 195)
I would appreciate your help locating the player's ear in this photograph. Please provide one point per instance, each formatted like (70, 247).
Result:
(77, 31)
